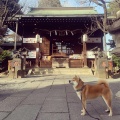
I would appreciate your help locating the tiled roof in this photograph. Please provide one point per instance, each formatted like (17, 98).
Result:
(63, 11)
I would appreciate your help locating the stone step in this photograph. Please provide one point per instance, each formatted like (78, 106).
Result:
(75, 71)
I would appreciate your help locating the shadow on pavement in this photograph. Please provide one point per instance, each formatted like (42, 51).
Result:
(48, 100)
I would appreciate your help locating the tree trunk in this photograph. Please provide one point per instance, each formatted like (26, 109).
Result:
(3, 29)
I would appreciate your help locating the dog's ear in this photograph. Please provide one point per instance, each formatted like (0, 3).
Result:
(79, 79)
(75, 76)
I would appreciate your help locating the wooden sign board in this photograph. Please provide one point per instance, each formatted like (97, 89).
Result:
(29, 40)
(90, 54)
(31, 54)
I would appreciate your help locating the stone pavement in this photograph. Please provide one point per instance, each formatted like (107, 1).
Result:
(51, 97)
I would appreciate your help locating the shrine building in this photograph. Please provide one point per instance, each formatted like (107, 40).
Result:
(59, 37)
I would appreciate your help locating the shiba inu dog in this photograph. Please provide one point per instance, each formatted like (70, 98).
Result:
(86, 92)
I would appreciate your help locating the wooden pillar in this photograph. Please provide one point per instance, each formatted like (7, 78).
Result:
(85, 54)
(95, 65)
(16, 35)
(23, 65)
(37, 57)
(24, 62)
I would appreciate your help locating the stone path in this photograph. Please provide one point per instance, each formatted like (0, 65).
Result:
(51, 98)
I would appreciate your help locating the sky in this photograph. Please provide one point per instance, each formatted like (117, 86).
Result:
(72, 3)
(65, 3)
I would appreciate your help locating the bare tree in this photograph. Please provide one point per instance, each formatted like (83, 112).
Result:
(8, 10)
(113, 7)
(49, 3)
(28, 4)
(102, 23)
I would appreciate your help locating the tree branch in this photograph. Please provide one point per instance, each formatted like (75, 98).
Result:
(15, 14)
(5, 8)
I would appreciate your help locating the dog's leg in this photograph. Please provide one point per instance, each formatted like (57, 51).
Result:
(84, 107)
(107, 100)
(79, 95)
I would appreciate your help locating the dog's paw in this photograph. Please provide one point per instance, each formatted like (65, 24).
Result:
(83, 114)
(107, 110)
(82, 111)
(110, 115)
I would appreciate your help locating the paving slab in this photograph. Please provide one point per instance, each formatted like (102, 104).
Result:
(57, 92)
(62, 86)
(4, 96)
(72, 97)
(22, 93)
(69, 88)
(52, 98)
(75, 112)
(118, 94)
(24, 112)
(116, 107)
(53, 116)
(55, 105)
(99, 105)
(35, 99)
(42, 89)
(10, 103)
(3, 115)
(114, 117)
(31, 85)
(56, 97)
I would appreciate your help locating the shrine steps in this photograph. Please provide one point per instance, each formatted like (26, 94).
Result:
(69, 71)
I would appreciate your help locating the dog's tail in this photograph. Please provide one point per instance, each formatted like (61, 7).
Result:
(100, 82)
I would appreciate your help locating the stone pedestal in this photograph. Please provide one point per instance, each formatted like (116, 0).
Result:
(13, 67)
(102, 63)
(60, 63)
(101, 74)
(118, 14)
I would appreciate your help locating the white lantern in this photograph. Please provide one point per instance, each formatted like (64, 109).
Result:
(85, 38)
(37, 37)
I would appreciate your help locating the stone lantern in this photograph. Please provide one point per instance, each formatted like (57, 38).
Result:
(24, 52)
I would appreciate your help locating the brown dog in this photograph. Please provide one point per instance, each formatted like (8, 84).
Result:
(86, 92)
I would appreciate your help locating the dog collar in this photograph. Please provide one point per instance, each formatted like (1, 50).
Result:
(81, 89)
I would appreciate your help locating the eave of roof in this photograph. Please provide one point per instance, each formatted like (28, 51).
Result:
(62, 11)
(10, 44)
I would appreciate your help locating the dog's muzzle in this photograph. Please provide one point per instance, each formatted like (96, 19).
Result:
(70, 82)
